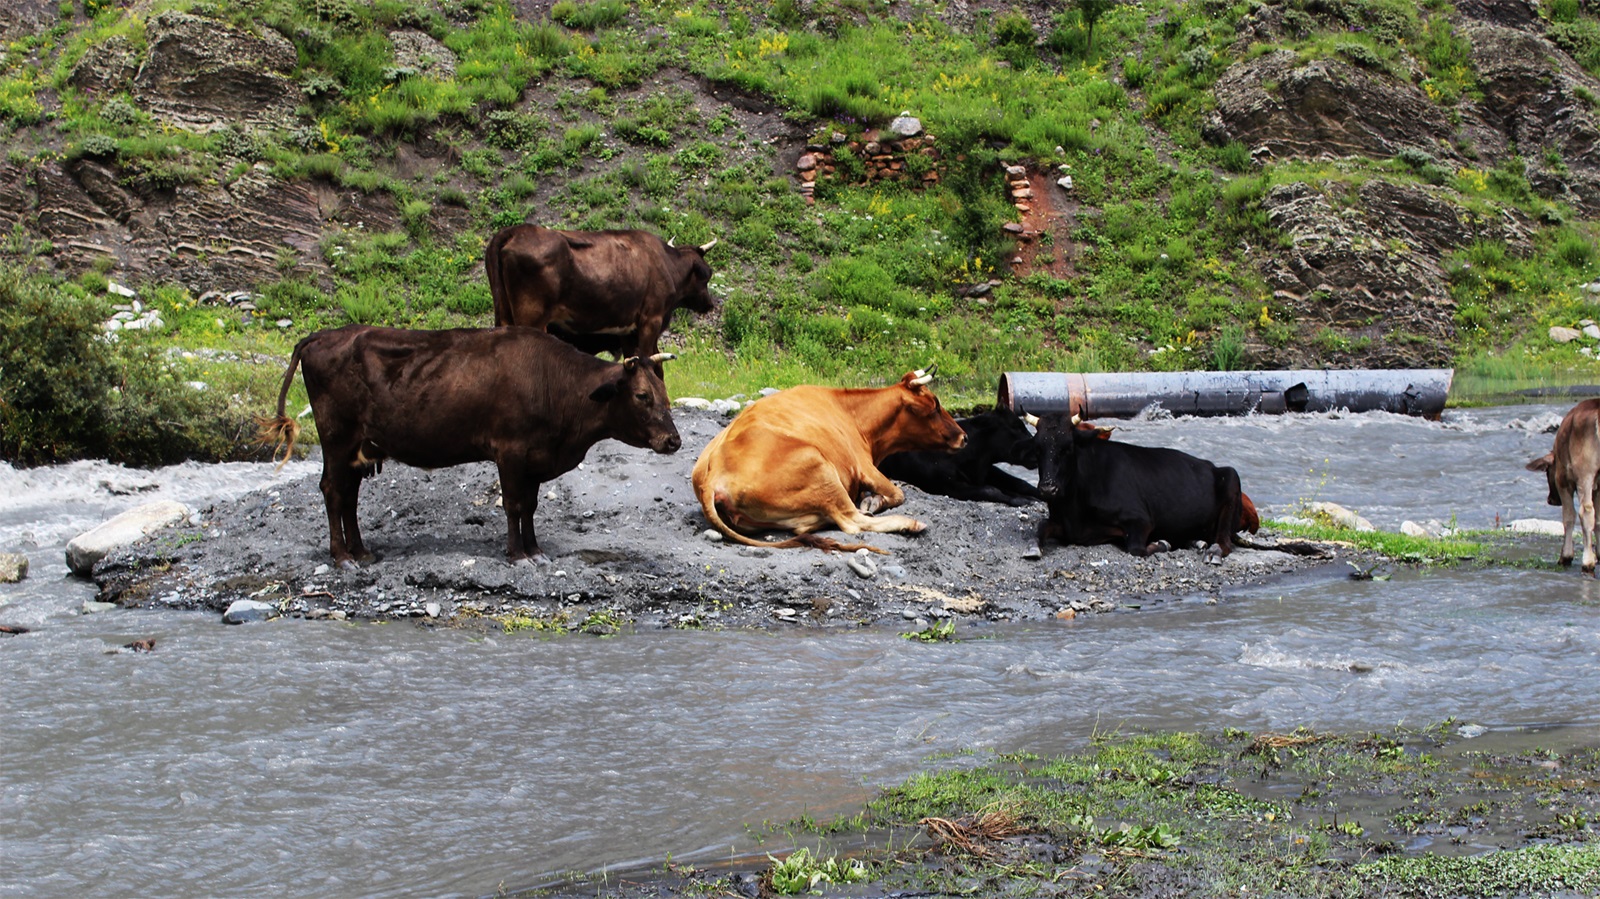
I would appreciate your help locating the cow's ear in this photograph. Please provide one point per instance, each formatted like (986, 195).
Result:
(607, 391)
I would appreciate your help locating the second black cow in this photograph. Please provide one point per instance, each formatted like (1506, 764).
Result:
(1144, 498)
(970, 473)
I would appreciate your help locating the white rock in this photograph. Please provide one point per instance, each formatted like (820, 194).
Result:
(906, 126)
(1538, 526)
(1065, 181)
(692, 402)
(1591, 331)
(91, 546)
(726, 407)
(1564, 335)
(1412, 529)
(119, 290)
(243, 610)
(1340, 516)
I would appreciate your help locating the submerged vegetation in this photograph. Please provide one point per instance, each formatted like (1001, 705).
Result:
(445, 121)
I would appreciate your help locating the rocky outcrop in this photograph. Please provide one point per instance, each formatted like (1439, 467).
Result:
(203, 74)
(1323, 108)
(1368, 262)
(900, 153)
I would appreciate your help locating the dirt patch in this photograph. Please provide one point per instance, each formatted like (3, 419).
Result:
(1048, 219)
(625, 537)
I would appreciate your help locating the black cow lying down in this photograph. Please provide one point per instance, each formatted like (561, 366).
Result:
(516, 397)
(1145, 498)
(970, 472)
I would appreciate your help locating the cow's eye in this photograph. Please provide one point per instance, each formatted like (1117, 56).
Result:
(643, 396)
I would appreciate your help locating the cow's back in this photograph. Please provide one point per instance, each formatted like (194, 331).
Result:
(1178, 492)
(439, 398)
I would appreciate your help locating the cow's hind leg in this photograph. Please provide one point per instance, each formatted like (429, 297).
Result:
(1138, 542)
(341, 489)
(1569, 516)
(1226, 500)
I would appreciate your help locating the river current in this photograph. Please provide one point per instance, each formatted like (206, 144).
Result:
(298, 758)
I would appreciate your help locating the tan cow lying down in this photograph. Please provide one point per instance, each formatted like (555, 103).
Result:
(807, 458)
(1572, 467)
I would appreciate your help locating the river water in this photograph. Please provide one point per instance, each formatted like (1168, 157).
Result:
(299, 758)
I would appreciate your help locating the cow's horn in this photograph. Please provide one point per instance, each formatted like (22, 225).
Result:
(670, 240)
(1031, 419)
(662, 357)
(706, 247)
(1076, 420)
(920, 377)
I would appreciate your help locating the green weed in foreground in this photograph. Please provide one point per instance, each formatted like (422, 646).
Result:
(803, 872)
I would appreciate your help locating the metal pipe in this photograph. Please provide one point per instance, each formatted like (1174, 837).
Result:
(1413, 391)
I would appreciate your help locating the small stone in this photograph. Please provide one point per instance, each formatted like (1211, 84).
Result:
(1066, 614)
(1011, 228)
(284, 323)
(1591, 331)
(806, 163)
(1064, 182)
(692, 402)
(861, 563)
(13, 567)
(711, 535)
(1469, 731)
(1412, 529)
(113, 287)
(90, 606)
(905, 126)
(1564, 335)
(909, 614)
(432, 609)
(243, 610)
(1340, 516)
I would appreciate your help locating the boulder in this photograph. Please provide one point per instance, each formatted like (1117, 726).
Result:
(13, 567)
(1339, 516)
(905, 126)
(1538, 526)
(241, 611)
(91, 546)
(1564, 335)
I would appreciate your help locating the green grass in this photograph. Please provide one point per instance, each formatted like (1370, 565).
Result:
(859, 287)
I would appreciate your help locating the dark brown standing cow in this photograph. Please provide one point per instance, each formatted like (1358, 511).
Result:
(1574, 467)
(512, 396)
(600, 290)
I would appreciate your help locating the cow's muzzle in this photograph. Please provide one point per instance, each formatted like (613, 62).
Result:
(666, 444)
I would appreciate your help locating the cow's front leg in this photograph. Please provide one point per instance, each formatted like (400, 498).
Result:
(1139, 542)
(1586, 490)
(877, 492)
(520, 496)
(341, 489)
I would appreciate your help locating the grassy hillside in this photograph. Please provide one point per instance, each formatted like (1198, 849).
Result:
(421, 126)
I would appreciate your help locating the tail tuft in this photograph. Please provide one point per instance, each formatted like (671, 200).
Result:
(275, 431)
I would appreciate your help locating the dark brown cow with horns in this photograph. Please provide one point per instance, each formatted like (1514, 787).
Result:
(599, 290)
(516, 397)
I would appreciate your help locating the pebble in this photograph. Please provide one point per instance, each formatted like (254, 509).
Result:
(862, 564)
(711, 535)
(909, 614)
(91, 606)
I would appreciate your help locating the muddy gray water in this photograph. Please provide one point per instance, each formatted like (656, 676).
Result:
(316, 759)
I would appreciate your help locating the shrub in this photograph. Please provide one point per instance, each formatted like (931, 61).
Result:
(589, 16)
(68, 392)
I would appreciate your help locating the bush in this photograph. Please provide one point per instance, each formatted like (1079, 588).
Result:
(67, 392)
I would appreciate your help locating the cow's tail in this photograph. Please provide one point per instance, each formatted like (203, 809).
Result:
(1228, 508)
(708, 504)
(497, 281)
(281, 430)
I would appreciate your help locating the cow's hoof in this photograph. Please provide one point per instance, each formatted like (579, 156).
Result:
(1212, 558)
(870, 503)
(537, 560)
(348, 564)
(1033, 552)
(1565, 561)
(916, 527)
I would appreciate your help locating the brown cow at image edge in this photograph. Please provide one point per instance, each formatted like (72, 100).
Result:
(1573, 467)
